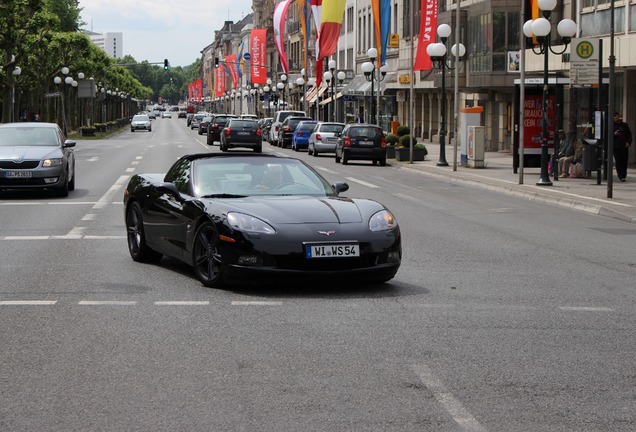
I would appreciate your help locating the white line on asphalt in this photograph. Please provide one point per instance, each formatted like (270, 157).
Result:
(21, 203)
(139, 157)
(26, 238)
(106, 302)
(355, 180)
(256, 303)
(327, 170)
(107, 197)
(457, 411)
(130, 170)
(586, 309)
(408, 198)
(134, 163)
(89, 217)
(202, 145)
(92, 159)
(64, 237)
(27, 302)
(182, 303)
(430, 305)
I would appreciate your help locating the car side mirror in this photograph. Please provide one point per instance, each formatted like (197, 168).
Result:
(69, 143)
(340, 187)
(167, 187)
(337, 134)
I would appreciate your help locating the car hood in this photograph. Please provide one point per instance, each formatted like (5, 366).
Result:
(298, 209)
(20, 153)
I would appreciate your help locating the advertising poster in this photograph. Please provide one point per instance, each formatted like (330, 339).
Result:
(533, 123)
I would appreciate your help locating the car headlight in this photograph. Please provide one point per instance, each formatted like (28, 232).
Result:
(52, 162)
(382, 221)
(243, 222)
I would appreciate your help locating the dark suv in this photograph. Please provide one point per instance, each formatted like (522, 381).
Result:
(287, 129)
(361, 142)
(215, 128)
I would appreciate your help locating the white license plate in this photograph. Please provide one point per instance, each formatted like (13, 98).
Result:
(18, 174)
(332, 251)
(365, 143)
(242, 133)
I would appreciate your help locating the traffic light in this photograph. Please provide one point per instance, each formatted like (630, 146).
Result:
(216, 62)
(275, 100)
(165, 64)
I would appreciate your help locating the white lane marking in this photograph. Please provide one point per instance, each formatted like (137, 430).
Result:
(134, 163)
(430, 305)
(327, 170)
(65, 237)
(47, 203)
(586, 309)
(27, 302)
(457, 411)
(139, 157)
(130, 170)
(89, 217)
(407, 198)
(182, 303)
(256, 303)
(107, 197)
(75, 233)
(363, 183)
(92, 159)
(106, 302)
(202, 145)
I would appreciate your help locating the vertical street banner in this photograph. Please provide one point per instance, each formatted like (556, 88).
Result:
(280, 11)
(258, 48)
(232, 65)
(220, 82)
(428, 30)
(316, 12)
(330, 24)
(382, 24)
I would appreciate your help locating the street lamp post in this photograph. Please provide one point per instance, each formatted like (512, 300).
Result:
(300, 82)
(369, 73)
(281, 86)
(16, 73)
(341, 76)
(332, 69)
(437, 52)
(540, 28)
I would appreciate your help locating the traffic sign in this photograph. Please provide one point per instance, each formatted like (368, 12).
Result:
(584, 61)
(247, 56)
(50, 95)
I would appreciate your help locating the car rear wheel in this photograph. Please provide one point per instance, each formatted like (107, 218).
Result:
(139, 250)
(382, 162)
(206, 256)
(345, 159)
(337, 158)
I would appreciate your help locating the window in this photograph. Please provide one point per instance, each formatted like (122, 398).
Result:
(179, 174)
(350, 19)
(598, 22)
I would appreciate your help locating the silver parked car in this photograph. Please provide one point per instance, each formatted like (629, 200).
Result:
(36, 156)
(323, 139)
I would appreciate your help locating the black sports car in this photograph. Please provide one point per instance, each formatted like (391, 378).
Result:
(252, 218)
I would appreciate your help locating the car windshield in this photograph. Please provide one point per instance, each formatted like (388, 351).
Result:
(307, 126)
(257, 176)
(28, 136)
(331, 128)
(365, 132)
(141, 118)
(248, 124)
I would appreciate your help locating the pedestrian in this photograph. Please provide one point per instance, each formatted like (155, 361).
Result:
(622, 141)
(571, 153)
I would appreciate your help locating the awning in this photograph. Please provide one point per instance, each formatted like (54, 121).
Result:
(316, 93)
(326, 101)
(359, 86)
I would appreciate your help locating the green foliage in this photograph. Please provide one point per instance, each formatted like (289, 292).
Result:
(392, 139)
(404, 140)
(403, 130)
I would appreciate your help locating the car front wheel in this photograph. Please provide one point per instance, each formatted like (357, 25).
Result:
(139, 250)
(206, 256)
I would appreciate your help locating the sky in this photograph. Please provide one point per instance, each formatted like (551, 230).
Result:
(154, 30)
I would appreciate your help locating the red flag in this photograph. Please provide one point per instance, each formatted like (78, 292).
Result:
(258, 48)
(232, 65)
(220, 82)
(428, 28)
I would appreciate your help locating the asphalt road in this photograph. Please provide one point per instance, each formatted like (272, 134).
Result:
(506, 315)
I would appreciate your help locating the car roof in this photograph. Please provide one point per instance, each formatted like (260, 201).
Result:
(29, 125)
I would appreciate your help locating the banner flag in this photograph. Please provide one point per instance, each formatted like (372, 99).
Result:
(330, 24)
(280, 11)
(428, 29)
(382, 24)
(258, 58)
(232, 65)
(220, 82)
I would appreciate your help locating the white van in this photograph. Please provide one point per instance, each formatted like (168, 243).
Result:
(279, 116)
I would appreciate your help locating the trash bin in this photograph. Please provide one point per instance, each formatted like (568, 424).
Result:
(590, 155)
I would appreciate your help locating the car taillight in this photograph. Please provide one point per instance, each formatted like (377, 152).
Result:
(277, 128)
(214, 126)
(383, 143)
(347, 142)
(227, 131)
(286, 129)
(258, 132)
(300, 133)
(318, 137)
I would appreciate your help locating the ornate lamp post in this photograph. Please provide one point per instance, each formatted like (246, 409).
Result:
(341, 76)
(300, 82)
(437, 52)
(281, 86)
(369, 73)
(540, 28)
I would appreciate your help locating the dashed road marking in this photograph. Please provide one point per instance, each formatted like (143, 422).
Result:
(586, 309)
(182, 303)
(363, 183)
(256, 303)
(106, 302)
(27, 302)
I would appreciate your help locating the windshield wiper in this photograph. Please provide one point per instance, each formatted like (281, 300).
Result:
(224, 195)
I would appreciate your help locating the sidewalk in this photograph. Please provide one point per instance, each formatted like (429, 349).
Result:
(582, 194)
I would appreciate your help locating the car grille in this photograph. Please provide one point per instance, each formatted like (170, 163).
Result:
(34, 181)
(27, 164)
(299, 262)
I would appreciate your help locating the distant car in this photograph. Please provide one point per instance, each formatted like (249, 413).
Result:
(140, 122)
(182, 114)
(203, 125)
(300, 137)
(249, 116)
(259, 219)
(323, 139)
(265, 124)
(189, 119)
(36, 156)
(242, 133)
(286, 130)
(216, 126)
(361, 142)
(157, 113)
(279, 117)
(151, 115)
(196, 119)
(166, 114)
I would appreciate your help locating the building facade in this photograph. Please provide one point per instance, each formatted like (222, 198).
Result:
(111, 43)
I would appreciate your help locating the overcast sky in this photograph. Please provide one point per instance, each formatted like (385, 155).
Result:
(157, 29)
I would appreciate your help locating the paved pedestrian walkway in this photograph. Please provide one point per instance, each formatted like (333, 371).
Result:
(582, 194)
